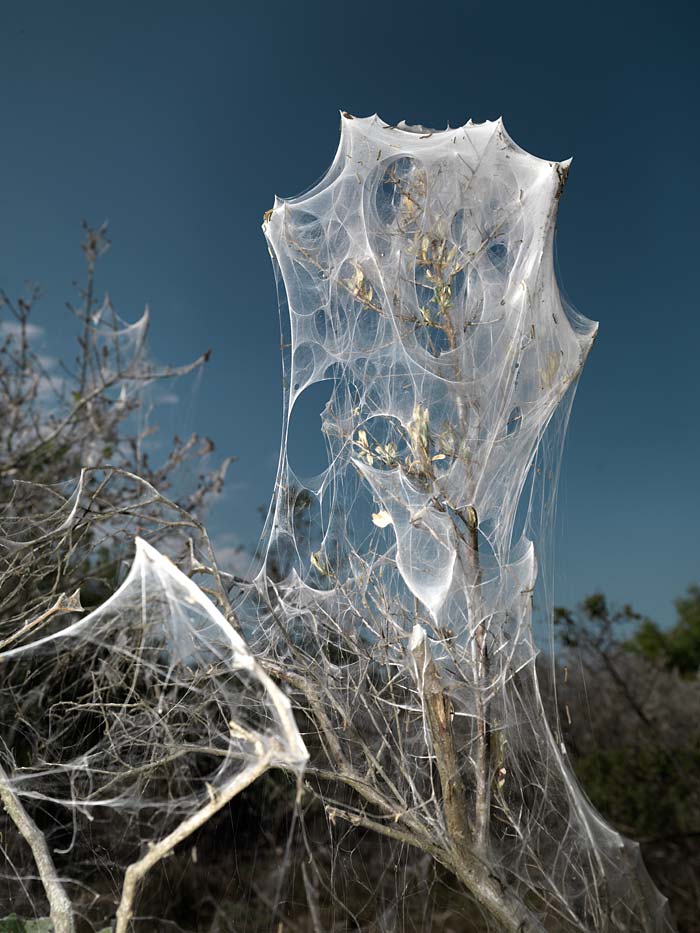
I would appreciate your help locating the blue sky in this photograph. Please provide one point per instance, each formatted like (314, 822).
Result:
(179, 122)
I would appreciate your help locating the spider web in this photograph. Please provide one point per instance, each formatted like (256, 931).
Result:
(132, 720)
(416, 280)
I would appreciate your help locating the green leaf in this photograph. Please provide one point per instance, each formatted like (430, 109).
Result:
(15, 924)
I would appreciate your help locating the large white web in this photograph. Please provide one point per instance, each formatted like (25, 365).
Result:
(417, 279)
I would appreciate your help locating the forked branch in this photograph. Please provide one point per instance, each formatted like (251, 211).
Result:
(159, 850)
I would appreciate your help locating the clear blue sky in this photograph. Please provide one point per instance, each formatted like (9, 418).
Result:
(179, 122)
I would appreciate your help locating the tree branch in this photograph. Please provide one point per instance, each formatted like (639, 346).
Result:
(159, 850)
(59, 904)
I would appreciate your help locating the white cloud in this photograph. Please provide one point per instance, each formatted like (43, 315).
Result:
(14, 329)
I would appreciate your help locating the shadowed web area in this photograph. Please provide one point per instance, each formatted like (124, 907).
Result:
(417, 283)
(121, 727)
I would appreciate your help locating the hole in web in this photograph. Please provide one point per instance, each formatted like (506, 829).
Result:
(515, 419)
(321, 424)
(498, 254)
(307, 452)
(433, 339)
